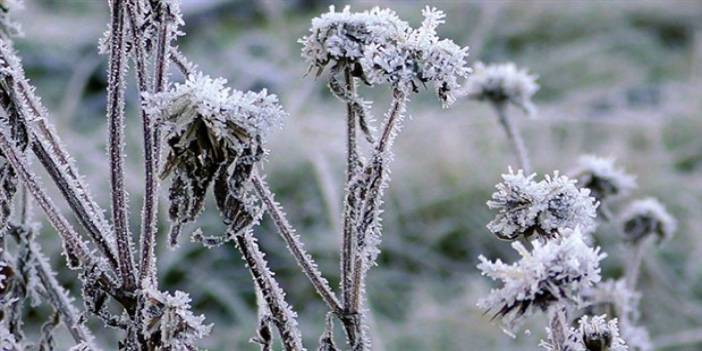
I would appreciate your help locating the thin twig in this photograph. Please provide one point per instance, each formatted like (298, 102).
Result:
(348, 250)
(514, 137)
(115, 116)
(292, 239)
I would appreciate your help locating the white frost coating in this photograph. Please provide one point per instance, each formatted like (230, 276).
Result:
(527, 207)
(168, 316)
(603, 178)
(8, 26)
(503, 82)
(647, 217)
(554, 272)
(7, 340)
(592, 333)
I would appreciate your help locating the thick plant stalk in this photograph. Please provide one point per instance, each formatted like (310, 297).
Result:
(514, 136)
(348, 250)
(281, 313)
(58, 297)
(115, 116)
(292, 239)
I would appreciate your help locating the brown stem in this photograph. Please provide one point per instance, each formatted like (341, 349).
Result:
(348, 249)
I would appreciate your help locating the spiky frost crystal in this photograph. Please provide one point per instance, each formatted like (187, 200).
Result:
(647, 217)
(604, 180)
(168, 318)
(503, 83)
(554, 272)
(380, 48)
(526, 207)
(214, 133)
(592, 334)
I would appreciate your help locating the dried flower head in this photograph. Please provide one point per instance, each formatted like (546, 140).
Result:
(647, 217)
(419, 57)
(592, 334)
(213, 130)
(604, 180)
(168, 318)
(614, 298)
(503, 83)
(555, 271)
(526, 207)
(341, 38)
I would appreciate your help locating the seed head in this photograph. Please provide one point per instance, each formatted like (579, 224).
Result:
(604, 180)
(647, 217)
(592, 334)
(555, 271)
(503, 83)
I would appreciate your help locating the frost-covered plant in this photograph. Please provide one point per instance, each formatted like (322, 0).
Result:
(604, 180)
(647, 217)
(591, 334)
(527, 207)
(551, 274)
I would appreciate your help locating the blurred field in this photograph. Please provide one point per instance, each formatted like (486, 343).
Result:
(618, 78)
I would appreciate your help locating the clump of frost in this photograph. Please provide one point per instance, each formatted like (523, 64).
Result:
(592, 334)
(213, 131)
(554, 272)
(647, 217)
(503, 83)
(526, 207)
(168, 318)
(604, 180)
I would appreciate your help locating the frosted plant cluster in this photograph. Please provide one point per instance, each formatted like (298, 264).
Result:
(553, 272)
(502, 83)
(592, 334)
(645, 217)
(604, 180)
(527, 207)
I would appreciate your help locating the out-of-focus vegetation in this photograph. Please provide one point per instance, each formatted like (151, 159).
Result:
(617, 78)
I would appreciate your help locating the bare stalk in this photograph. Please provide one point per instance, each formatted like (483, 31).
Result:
(514, 137)
(633, 268)
(292, 239)
(115, 116)
(281, 313)
(348, 250)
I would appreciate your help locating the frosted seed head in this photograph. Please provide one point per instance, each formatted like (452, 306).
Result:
(555, 271)
(645, 217)
(604, 180)
(518, 200)
(503, 83)
(598, 334)
(613, 298)
(566, 206)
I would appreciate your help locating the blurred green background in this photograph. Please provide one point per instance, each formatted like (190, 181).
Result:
(618, 78)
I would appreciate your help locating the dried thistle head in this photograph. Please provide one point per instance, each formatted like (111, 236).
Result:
(341, 38)
(212, 131)
(642, 218)
(527, 207)
(419, 57)
(604, 180)
(502, 83)
(592, 334)
(555, 271)
(169, 322)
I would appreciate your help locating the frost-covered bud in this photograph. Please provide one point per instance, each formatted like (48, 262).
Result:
(598, 334)
(502, 83)
(554, 272)
(212, 131)
(8, 26)
(614, 298)
(168, 318)
(419, 57)
(341, 38)
(604, 180)
(647, 217)
(566, 206)
(526, 207)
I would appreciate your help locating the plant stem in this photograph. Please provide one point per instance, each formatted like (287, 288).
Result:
(348, 249)
(558, 324)
(282, 314)
(294, 244)
(633, 269)
(115, 116)
(514, 137)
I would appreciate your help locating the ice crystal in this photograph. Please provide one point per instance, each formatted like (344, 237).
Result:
(592, 334)
(168, 318)
(502, 83)
(647, 217)
(604, 180)
(212, 131)
(527, 207)
(555, 271)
